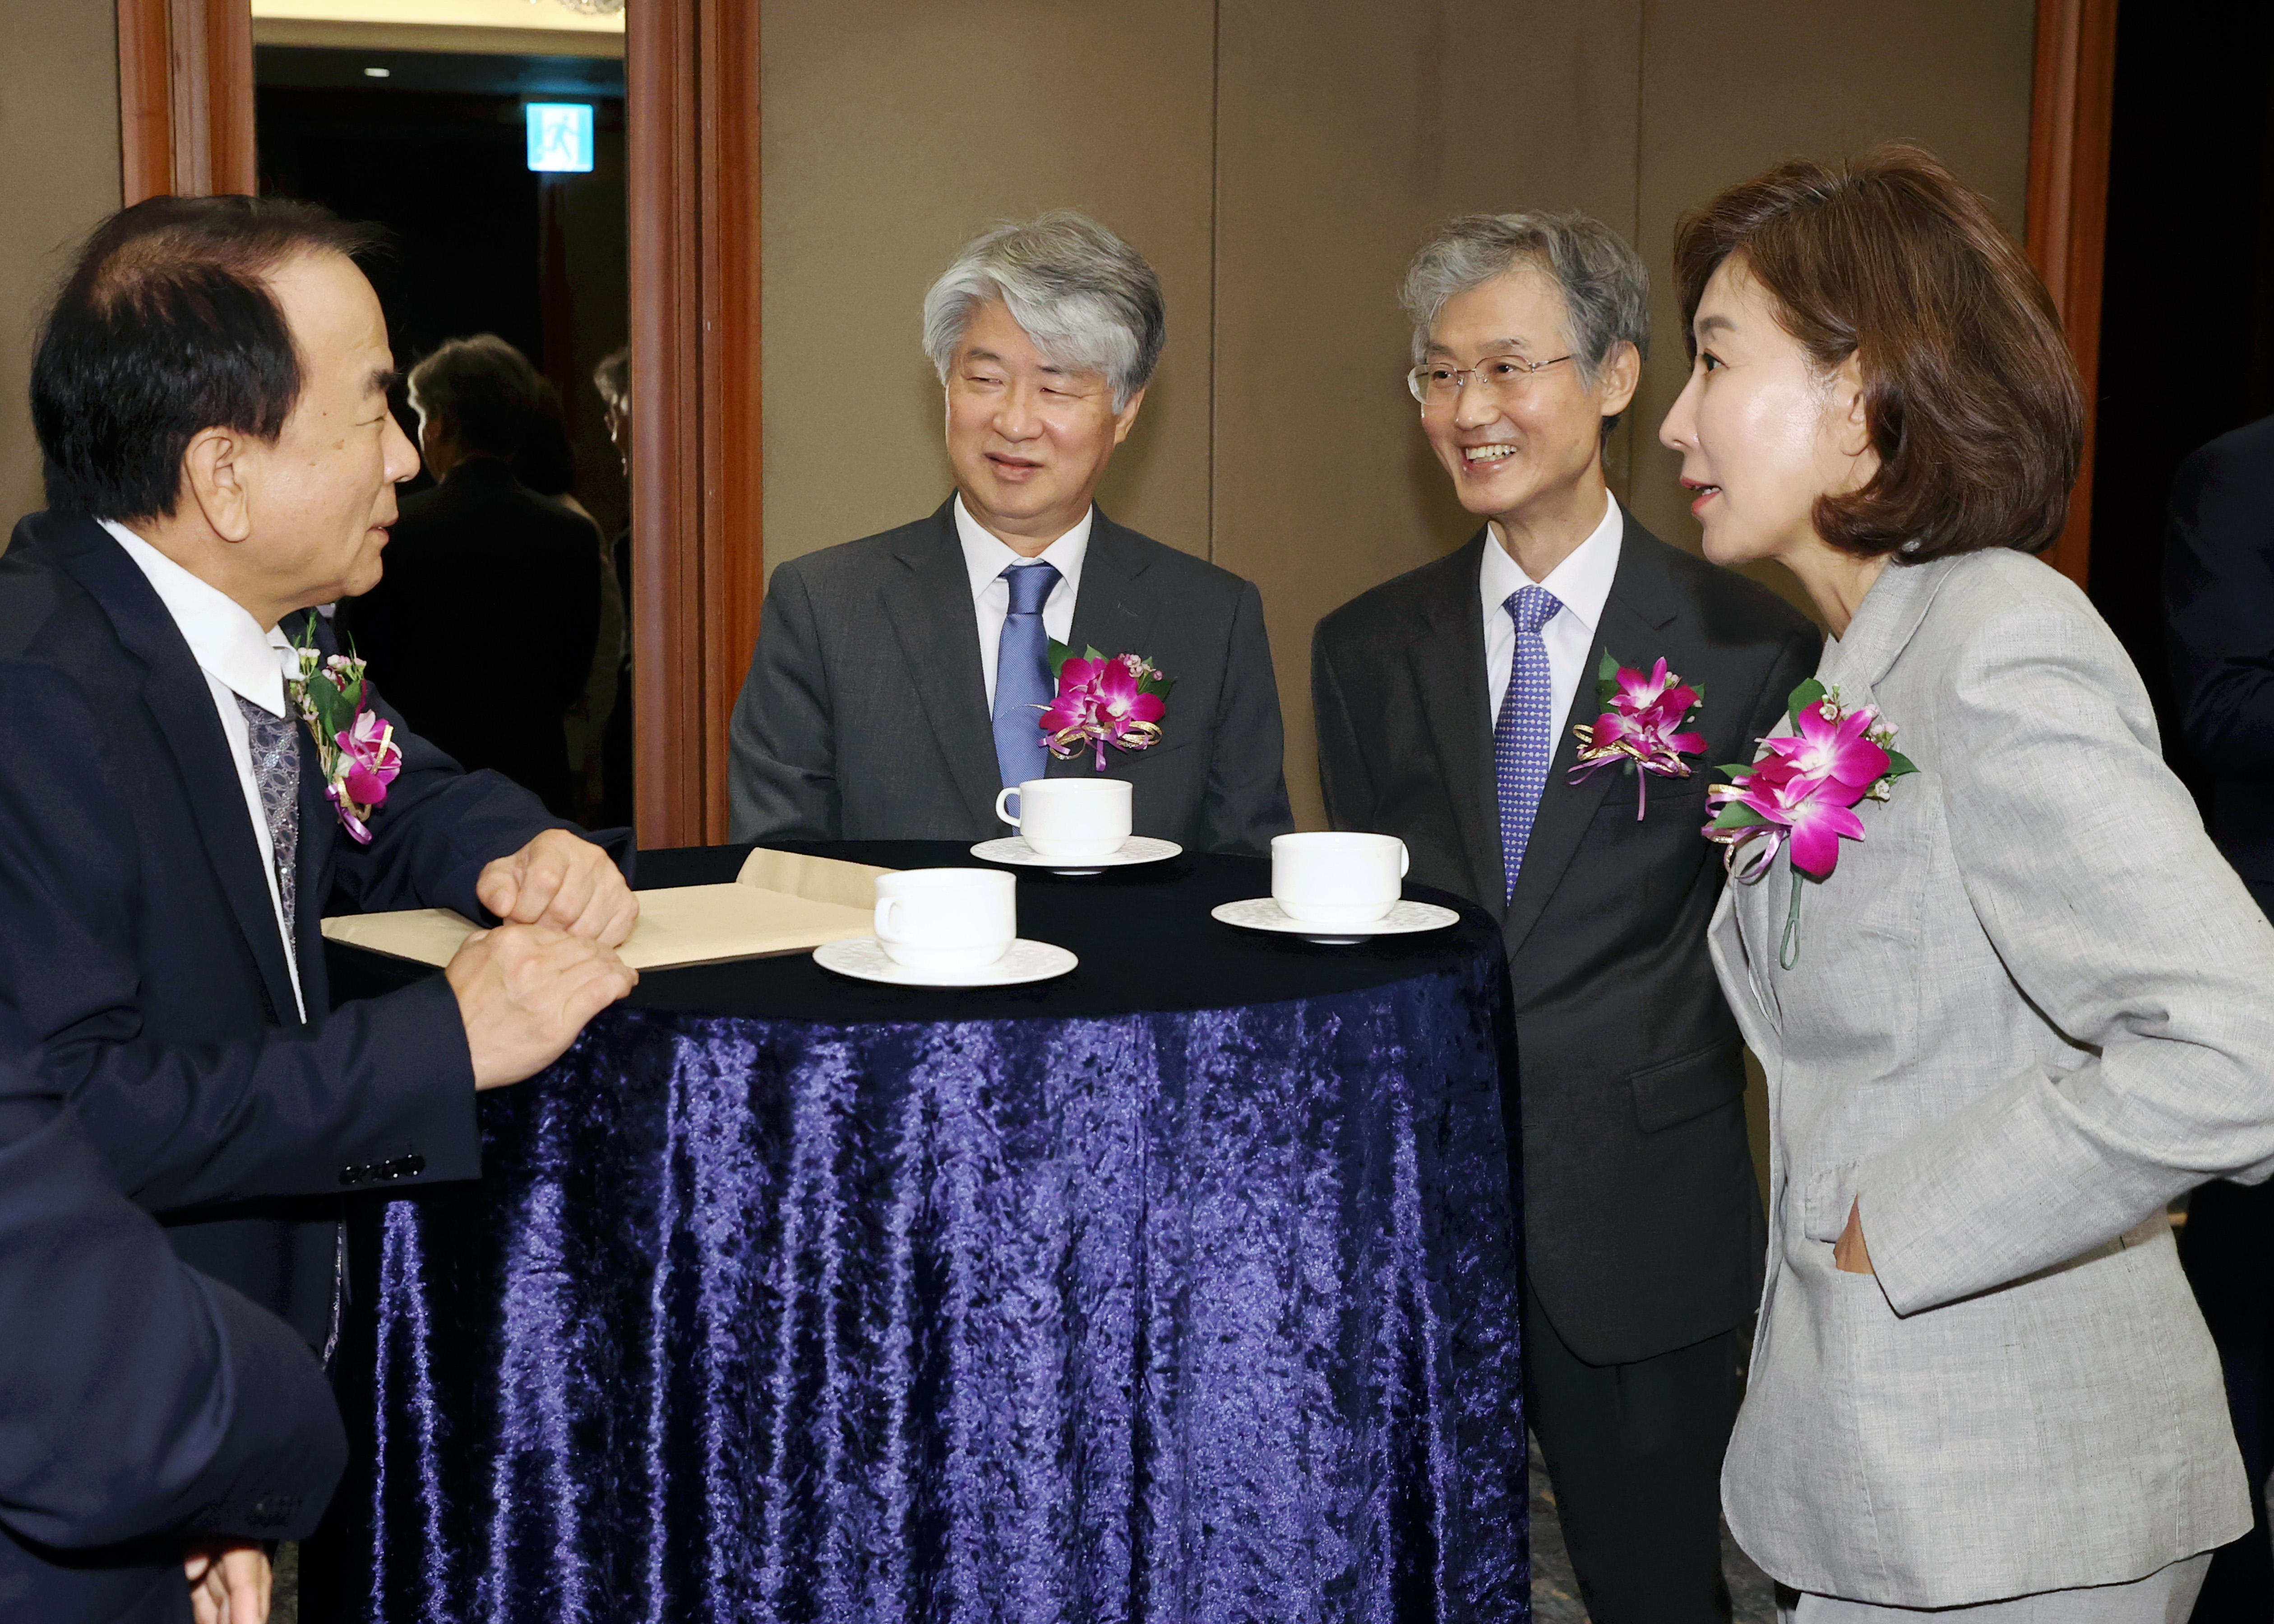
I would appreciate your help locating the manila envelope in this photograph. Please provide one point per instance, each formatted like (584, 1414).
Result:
(780, 903)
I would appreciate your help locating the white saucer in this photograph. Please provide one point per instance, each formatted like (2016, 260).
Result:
(863, 958)
(1136, 849)
(1263, 914)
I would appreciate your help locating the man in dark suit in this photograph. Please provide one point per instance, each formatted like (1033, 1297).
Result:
(2218, 585)
(898, 680)
(1446, 700)
(486, 620)
(146, 1411)
(210, 394)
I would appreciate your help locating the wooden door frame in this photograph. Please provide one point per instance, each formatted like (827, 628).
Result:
(691, 108)
(185, 98)
(2072, 104)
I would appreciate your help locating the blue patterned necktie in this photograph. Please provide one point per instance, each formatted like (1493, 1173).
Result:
(1521, 746)
(1022, 674)
(276, 749)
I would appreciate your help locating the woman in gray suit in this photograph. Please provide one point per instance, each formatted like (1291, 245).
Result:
(2009, 998)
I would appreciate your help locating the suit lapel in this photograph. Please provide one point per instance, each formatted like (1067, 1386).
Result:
(177, 693)
(928, 600)
(1633, 625)
(1115, 610)
(318, 824)
(1448, 661)
(1883, 626)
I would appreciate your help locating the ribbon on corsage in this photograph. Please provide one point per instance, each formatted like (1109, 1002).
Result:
(1802, 794)
(356, 752)
(1117, 699)
(1641, 721)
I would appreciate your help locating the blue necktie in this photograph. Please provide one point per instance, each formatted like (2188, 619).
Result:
(1521, 746)
(1022, 674)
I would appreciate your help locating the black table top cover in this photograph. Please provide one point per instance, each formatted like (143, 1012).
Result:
(1142, 933)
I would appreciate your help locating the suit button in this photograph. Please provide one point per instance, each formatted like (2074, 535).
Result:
(413, 1166)
(354, 1174)
(272, 1510)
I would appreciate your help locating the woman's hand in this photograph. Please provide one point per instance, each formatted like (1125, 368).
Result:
(1848, 1253)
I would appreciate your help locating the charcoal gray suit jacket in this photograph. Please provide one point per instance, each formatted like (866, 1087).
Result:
(1642, 1229)
(864, 716)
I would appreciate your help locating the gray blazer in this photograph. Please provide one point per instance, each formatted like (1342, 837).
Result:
(2030, 1007)
(864, 716)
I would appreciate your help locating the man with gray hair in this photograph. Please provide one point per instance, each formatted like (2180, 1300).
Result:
(1446, 704)
(900, 681)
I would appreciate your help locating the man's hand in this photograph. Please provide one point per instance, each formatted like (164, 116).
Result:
(563, 882)
(1848, 1253)
(228, 1584)
(525, 991)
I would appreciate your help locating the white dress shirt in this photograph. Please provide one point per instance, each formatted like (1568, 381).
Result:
(1581, 584)
(237, 658)
(986, 557)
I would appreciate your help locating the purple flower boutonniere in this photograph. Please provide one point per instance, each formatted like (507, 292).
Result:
(1803, 792)
(355, 750)
(1102, 699)
(1641, 720)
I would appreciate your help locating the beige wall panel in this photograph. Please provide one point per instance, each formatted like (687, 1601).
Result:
(1351, 128)
(1727, 90)
(59, 127)
(894, 131)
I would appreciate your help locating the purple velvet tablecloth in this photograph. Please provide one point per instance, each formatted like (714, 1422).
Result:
(1186, 1314)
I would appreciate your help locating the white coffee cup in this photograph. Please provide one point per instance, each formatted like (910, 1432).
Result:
(1069, 817)
(947, 919)
(1336, 879)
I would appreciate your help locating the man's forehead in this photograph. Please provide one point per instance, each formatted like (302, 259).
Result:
(328, 302)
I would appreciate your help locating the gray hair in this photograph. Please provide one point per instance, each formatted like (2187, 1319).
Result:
(1606, 290)
(1086, 298)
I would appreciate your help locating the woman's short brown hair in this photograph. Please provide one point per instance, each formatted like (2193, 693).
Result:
(1970, 395)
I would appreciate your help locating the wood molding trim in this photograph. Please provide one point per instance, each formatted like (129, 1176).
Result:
(185, 98)
(691, 105)
(2071, 108)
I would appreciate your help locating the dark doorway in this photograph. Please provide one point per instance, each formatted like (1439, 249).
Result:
(436, 152)
(2187, 343)
(438, 148)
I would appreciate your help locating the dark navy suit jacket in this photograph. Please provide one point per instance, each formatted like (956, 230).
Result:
(2218, 579)
(138, 939)
(141, 1404)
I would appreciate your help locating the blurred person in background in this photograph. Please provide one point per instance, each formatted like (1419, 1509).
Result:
(612, 378)
(487, 617)
(546, 463)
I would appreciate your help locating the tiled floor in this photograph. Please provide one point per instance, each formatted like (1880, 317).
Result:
(1555, 1596)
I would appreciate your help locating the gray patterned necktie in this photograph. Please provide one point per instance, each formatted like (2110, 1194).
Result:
(275, 748)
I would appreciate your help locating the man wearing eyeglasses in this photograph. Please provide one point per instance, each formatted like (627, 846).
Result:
(1446, 702)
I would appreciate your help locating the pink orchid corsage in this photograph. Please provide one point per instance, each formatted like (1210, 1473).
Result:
(1802, 794)
(356, 752)
(1640, 722)
(1102, 699)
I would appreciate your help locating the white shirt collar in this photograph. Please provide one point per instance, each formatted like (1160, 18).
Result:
(1581, 583)
(985, 557)
(226, 641)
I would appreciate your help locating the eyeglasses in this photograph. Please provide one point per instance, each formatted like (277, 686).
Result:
(1439, 383)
